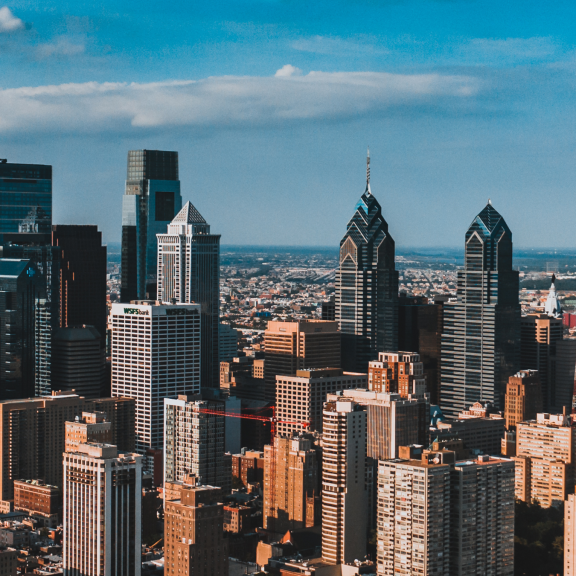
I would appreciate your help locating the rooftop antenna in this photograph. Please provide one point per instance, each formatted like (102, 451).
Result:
(490, 201)
(368, 172)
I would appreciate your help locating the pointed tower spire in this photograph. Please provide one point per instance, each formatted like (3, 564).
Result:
(368, 172)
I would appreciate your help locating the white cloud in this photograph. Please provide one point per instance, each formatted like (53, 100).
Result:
(61, 47)
(288, 70)
(9, 22)
(227, 101)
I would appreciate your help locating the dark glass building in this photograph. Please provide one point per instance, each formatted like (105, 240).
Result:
(21, 285)
(24, 187)
(189, 271)
(82, 277)
(481, 339)
(367, 286)
(151, 200)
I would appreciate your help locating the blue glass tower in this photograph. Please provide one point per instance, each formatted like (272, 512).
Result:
(481, 339)
(151, 201)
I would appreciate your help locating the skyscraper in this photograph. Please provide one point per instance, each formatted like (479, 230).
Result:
(102, 512)
(155, 355)
(82, 277)
(25, 187)
(523, 398)
(481, 339)
(151, 200)
(367, 285)
(189, 271)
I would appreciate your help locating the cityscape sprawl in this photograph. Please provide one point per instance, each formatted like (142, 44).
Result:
(175, 405)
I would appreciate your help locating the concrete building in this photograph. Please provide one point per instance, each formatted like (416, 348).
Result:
(39, 500)
(237, 519)
(155, 355)
(102, 512)
(293, 346)
(291, 484)
(523, 398)
(228, 343)
(570, 536)
(194, 540)
(545, 459)
(300, 398)
(121, 413)
(78, 361)
(8, 561)
(194, 441)
(189, 272)
(91, 427)
(344, 494)
(249, 466)
(399, 372)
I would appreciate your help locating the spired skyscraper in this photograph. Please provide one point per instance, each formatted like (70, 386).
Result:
(188, 272)
(481, 339)
(151, 200)
(367, 285)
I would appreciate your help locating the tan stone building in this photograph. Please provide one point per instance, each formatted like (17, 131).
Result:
(545, 459)
(523, 398)
(292, 346)
(400, 372)
(90, 427)
(194, 531)
(290, 484)
(39, 500)
(570, 536)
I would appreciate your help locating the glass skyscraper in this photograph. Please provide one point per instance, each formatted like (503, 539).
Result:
(24, 188)
(188, 272)
(481, 339)
(367, 286)
(151, 200)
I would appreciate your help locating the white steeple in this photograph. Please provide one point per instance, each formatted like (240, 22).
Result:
(553, 307)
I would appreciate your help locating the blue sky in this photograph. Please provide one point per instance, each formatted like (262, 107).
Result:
(271, 105)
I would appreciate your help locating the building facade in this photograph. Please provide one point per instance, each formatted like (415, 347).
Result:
(523, 398)
(228, 343)
(397, 372)
(151, 200)
(367, 285)
(189, 271)
(481, 339)
(102, 512)
(570, 535)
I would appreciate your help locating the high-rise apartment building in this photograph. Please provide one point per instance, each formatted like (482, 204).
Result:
(155, 355)
(194, 440)
(570, 535)
(544, 349)
(82, 277)
(24, 187)
(33, 434)
(188, 272)
(367, 285)
(292, 346)
(78, 360)
(151, 200)
(545, 459)
(523, 398)
(194, 540)
(291, 484)
(481, 339)
(400, 372)
(344, 495)
(43, 329)
(300, 398)
(420, 327)
(102, 512)
(21, 285)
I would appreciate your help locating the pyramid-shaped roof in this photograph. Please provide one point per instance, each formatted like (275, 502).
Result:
(490, 217)
(188, 215)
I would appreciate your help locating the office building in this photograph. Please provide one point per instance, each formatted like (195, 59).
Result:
(82, 277)
(228, 342)
(194, 540)
(328, 309)
(291, 484)
(189, 271)
(43, 329)
(21, 285)
(400, 372)
(523, 398)
(33, 434)
(544, 349)
(78, 360)
(420, 327)
(90, 428)
(300, 398)
(155, 355)
(24, 187)
(292, 346)
(367, 285)
(121, 413)
(392, 420)
(39, 500)
(481, 339)
(545, 458)
(344, 495)
(570, 535)
(102, 512)
(194, 440)
(151, 200)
